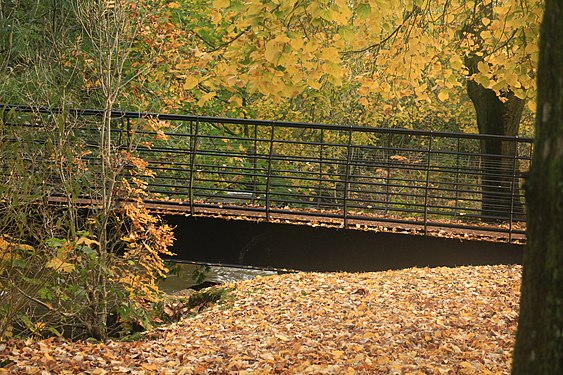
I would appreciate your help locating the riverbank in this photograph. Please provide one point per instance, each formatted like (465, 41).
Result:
(431, 321)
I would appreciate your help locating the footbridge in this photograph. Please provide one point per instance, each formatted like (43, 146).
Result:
(347, 176)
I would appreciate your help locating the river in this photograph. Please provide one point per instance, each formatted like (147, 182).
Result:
(181, 275)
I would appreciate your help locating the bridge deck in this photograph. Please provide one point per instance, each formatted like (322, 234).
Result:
(453, 229)
(464, 230)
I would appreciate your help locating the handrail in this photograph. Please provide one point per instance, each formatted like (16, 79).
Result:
(244, 121)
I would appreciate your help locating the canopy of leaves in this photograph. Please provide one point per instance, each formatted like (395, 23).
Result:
(379, 63)
(377, 59)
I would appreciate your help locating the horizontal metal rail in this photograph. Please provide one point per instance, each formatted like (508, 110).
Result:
(427, 179)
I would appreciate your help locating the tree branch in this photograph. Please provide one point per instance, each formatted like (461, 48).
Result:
(382, 42)
(222, 45)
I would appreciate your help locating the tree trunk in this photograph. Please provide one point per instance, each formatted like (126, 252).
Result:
(500, 188)
(539, 341)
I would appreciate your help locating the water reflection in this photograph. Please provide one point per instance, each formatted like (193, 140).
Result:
(181, 277)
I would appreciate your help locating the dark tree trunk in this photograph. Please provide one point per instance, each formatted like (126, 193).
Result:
(500, 190)
(539, 341)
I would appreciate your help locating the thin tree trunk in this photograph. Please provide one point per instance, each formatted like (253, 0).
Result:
(539, 341)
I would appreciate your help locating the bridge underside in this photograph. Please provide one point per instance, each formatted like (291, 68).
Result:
(262, 244)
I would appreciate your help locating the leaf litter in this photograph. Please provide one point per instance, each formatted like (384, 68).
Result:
(415, 321)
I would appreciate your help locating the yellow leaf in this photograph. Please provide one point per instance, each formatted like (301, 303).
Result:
(190, 82)
(254, 9)
(456, 63)
(483, 67)
(531, 48)
(281, 337)
(531, 105)
(341, 18)
(482, 80)
(205, 98)
(174, 5)
(443, 95)
(467, 368)
(219, 4)
(314, 84)
(297, 43)
(337, 354)
(150, 367)
(330, 54)
(86, 241)
(512, 79)
(183, 66)
(273, 51)
(236, 101)
(486, 35)
(59, 265)
(216, 16)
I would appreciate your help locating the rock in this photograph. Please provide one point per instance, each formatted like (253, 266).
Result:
(203, 285)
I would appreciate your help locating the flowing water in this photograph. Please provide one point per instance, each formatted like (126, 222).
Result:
(181, 276)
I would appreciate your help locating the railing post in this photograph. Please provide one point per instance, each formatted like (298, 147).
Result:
(193, 141)
(388, 156)
(129, 141)
(121, 128)
(255, 164)
(427, 184)
(456, 207)
(347, 177)
(512, 189)
(269, 175)
(3, 124)
(321, 165)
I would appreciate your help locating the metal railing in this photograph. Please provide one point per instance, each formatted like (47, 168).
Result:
(350, 174)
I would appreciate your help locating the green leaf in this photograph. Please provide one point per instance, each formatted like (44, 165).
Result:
(364, 10)
(19, 263)
(346, 33)
(54, 331)
(45, 293)
(54, 243)
(86, 250)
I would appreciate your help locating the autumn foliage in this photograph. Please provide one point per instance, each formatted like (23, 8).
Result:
(57, 274)
(432, 321)
(388, 63)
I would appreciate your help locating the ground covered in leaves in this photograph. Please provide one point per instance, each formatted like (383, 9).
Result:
(415, 321)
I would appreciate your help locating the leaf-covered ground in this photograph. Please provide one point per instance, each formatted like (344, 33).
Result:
(415, 321)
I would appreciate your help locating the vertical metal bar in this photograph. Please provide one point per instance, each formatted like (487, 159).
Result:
(3, 125)
(427, 184)
(121, 128)
(129, 142)
(388, 155)
(456, 207)
(512, 189)
(255, 165)
(321, 165)
(193, 146)
(347, 177)
(269, 175)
